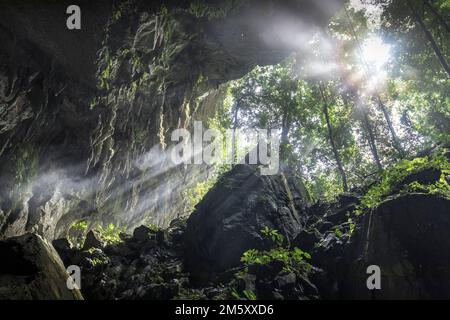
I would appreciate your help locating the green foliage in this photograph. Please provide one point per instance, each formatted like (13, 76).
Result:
(294, 260)
(99, 261)
(351, 225)
(196, 193)
(78, 230)
(338, 232)
(201, 8)
(26, 162)
(393, 177)
(110, 234)
(246, 295)
(77, 233)
(235, 294)
(80, 226)
(273, 235)
(249, 295)
(153, 227)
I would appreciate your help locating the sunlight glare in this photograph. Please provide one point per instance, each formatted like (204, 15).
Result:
(376, 52)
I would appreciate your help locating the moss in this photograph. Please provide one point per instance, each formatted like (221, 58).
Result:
(190, 294)
(153, 227)
(77, 233)
(203, 9)
(26, 165)
(392, 180)
(196, 193)
(99, 261)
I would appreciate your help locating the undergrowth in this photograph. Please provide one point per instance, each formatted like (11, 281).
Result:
(292, 259)
(391, 180)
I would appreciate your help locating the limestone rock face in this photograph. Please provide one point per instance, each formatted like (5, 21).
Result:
(93, 240)
(407, 237)
(84, 114)
(44, 24)
(229, 220)
(32, 269)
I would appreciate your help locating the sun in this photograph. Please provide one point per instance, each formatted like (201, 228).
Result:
(376, 53)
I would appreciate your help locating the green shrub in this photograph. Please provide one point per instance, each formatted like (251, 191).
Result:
(196, 193)
(392, 178)
(293, 260)
(77, 233)
(110, 234)
(273, 235)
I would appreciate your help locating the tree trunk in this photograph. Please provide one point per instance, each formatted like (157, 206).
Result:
(430, 38)
(285, 128)
(235, 125)
(438, 15)
(396, 141)
(332, 142)
(371, 139)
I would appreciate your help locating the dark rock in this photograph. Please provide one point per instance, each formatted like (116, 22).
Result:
(64, 249)
(266, 271)
(178, 223)
(407, 237)
(306, 239)
(161, 236)
(91, 258)
(124, 236)
(246, 282)
(61, 244)
(307, 289)
(116, 271)
(119, 249)
(164, 291)
(266, 291)
(183, 282)
(214, 293)
(428, 176)
(60, 81)
(142, 233)
(93, 240)
(149, 259)
(229, 219)
(32, 269)
(286, 281)
(345, 199)
(276, 295)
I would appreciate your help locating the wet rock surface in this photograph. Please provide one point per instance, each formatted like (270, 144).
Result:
(229, 219)
(32, 269)
(406, 236)
(147, 265)
(90, 101)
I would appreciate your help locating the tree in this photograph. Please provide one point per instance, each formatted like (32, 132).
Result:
(430, 37)
(332, 142)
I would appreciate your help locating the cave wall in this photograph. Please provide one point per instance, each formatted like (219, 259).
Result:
(86, 115)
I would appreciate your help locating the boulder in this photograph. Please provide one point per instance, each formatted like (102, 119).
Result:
(229, 219)
(407, 237)
(93, 240)
(64, 249)
(142, 233)
(286, 281)
(161, 236)
(92, 258)
(32, 269)
(61, 244)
